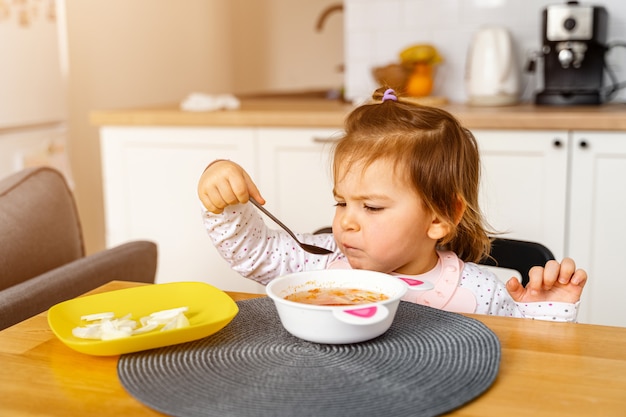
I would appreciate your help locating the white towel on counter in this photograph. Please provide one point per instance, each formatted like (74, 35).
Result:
(207, 102)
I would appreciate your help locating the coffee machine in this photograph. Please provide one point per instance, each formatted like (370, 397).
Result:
(573, 52)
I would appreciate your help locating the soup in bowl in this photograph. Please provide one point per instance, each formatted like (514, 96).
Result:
(336, 305)
(336, 296)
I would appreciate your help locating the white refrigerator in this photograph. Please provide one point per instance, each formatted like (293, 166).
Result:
(33, 109)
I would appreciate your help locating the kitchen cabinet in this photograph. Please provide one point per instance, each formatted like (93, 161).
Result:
(295, 175)
(33, 108)
(523, 187)
(150, 177)
(149, 181)
(566, 190)
(597, 224)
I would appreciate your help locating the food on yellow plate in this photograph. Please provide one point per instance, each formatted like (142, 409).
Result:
(336, 296)
(104, 326)
(98, 316)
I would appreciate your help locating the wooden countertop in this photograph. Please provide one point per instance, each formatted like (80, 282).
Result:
(262, 112)
(320, 113)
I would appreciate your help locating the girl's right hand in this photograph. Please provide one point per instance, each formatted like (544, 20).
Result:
(224, 183)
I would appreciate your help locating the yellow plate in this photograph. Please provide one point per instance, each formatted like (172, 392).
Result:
(210, 309)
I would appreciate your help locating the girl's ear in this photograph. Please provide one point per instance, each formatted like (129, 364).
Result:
(439, 229)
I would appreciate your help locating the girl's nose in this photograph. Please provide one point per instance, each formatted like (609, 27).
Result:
(348, 222)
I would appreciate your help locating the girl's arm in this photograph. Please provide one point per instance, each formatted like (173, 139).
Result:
(258, 252)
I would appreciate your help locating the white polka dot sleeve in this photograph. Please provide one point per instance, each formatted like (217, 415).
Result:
(258, 252)
(493, 298)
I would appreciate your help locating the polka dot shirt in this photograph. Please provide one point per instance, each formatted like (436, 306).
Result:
(260, 253)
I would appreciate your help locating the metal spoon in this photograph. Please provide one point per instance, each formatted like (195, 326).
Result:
(309, 248)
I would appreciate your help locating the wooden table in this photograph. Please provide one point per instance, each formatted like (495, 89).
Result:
(548, 369)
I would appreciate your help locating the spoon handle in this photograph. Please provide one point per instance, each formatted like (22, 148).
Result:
(271, 216)
(309, 248)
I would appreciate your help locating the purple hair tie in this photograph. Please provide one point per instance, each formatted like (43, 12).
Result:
(390, 95)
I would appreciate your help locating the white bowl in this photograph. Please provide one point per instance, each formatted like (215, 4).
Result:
(337, 324)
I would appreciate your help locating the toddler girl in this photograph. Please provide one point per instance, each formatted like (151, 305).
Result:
(406, 182)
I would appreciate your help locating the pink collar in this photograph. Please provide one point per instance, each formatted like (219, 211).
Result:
(447, 295)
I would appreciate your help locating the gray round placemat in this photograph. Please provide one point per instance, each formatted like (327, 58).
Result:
(429, 362)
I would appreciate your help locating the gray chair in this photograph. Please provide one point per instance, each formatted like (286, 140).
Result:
(518, 255)
(42, 253)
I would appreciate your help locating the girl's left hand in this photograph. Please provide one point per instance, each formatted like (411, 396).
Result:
(559, 282)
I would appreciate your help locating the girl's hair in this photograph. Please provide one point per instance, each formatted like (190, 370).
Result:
(433, 152)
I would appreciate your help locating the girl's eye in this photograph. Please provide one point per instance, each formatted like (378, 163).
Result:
(365, 206)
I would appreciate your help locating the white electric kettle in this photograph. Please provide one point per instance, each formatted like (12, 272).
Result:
(492, 76)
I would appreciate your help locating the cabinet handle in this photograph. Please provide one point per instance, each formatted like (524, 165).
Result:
(583, 144)
(319, 139)
(557, 143)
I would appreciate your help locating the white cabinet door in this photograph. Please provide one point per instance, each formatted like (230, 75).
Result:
(524, 184)
(150, 177)
(598, 225)
(295, 175)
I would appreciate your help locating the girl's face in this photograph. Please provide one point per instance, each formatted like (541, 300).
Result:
(381, 223)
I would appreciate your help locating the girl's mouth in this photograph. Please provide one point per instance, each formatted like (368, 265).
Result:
(348, 249)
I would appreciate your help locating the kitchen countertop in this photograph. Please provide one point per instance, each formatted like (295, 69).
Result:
(319, 113)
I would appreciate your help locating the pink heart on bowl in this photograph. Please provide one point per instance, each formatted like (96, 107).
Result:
(365, 312)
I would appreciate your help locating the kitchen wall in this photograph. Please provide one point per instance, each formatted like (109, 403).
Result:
(277, 45)
(124, 54)
(377, 30)
(134, 53)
